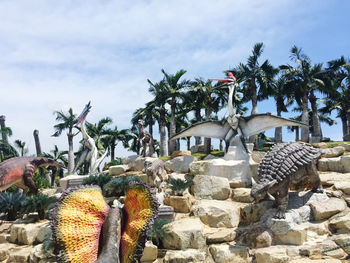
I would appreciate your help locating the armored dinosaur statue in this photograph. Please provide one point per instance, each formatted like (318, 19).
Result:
(284, 165)
(235, 124)
(146, 139)
(85, 229)
(19, 171)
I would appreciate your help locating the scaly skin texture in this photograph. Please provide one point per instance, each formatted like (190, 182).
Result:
(19, 171)
(286, 164)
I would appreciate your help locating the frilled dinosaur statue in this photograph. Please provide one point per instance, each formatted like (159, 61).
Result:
(85, 229)
(19, 171)
(284, 165)
(235, 124)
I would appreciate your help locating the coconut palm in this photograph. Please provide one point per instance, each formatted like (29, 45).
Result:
(98, 130)
(58, 156)
(6, 149)
(113, 137)
(20, 145)
(306, 79)
(67, 122)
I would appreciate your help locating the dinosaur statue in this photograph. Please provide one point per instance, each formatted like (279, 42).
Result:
(284, 165)
(146, 139)
(235, 124)
(157, 172)
(19, 171)
(85, 229)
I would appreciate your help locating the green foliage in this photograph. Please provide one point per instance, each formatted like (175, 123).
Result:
(164, 158)
(11, 204)
(48, 245)
(159, 230)
(335, 144)
(39, 203)
(116, 161)
(99, 180)
(118, 185)
(40, 181)
(179, 185)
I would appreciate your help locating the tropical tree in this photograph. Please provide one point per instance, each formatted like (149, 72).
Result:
(306, 79)
(254, 77)
(67, 122)
(21, 146)
(147, 114)
(6, 149)
(57, 155)
(98, 130)
(113, 137)
(135, 142)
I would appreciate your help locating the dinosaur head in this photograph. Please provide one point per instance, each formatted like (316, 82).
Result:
(260, 191)
(42, 161)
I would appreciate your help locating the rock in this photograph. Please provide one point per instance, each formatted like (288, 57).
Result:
(199, 148)
(184, 233)
(27, 233)
(274, 254)
(346, 146)
(150, 252)
(324, 210)
(251, 213)
(181, 204)
(20, 254)
(118, 169)
(236, 171)
(209, 157)
(329, 179)
(44, 229)
(345, 163)
(130, 159)
(330, 164)
(219, 235)
(37, 255)
(257, 156)
(296, 236)
(321, 145)
(184, 256)
(4, 238)
(200, 167)
(180, 164)
(308, 260)
(340, 240)
(229, 253)
(241, 195)
(5, 250)
(71, 180)
(330, 245)
(217, 213)
(138, 164)
(340, 223)
(180, 153)
(333, 152)
(254, 237)
(210, 187)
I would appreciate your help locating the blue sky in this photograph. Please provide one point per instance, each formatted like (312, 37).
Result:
(61, 54)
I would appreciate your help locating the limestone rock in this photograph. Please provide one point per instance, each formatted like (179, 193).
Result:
(138, 164)
(181, 204)
(334, 152)
(251, 213)
(130, 159)
(217, 213)
(324, 210)
(340, 223)
(70, 180)
(185, 256)
(150, 252)
(37, 255)
(209, 157)
(343, 186)
(20, 254)
(5, 250)
(330, 178)
(199, 148)
(184, 233)
(180, 153)
(308, 260)
(210, 187)
(118, 169)
(257, 156)
(341, 240)
(274, 254)
(219, 235)
(345, 163)
(230, 253)
(200, 167)
(330, 164)
(254, 236)
(346, 146)
(180, 164)
(321, 145)
(4, 238)
(27, 233)
(241, 195)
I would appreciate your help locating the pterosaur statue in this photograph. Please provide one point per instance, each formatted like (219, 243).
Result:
(91, 153)
(235, 124)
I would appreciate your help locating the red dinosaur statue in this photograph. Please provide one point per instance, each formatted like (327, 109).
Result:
(19, 171)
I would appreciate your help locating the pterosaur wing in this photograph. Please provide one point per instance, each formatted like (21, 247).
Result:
(209, 129)
(257, 123)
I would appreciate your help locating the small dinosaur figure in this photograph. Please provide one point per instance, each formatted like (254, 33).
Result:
(146, 139)
(19, 171)
(156, 171)
(284, 165)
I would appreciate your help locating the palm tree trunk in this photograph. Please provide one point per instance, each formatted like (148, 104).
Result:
(150, 126)
(37, 142)
(296, 133)
(70, 153)
(344, 126)
(221, 146)
(163, 143)
(2, 125)
(198, 139)
(253, 90)
(112, 151)
(172, 126)
(305, 118)
(278, 130)
(207, 141)
(188, 143)
(316, 129)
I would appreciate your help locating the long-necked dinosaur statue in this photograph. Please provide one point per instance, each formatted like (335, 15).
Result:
(235, 124)
(19, 171)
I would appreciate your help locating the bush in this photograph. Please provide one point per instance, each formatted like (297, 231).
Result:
(11, 204)
(116, 161)
(39, 203)
(118, 185)
(99, 180)
(48, 245)
(178, 186)
(158, 230)
(40, 181)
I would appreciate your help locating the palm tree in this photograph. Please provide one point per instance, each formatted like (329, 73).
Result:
(113, 136)
(4, 131)
(174, 90)
(305, 79)
(98, 130)
(6, 151)
(147, 114)
(21, 146)
(255, 78)
(58, 156)
(135, 142)
(67, 122)
(37, 142)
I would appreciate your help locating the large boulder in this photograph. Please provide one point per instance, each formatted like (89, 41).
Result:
(129, 159)
(216, 213)
(337, 164)
(150, 252)
(241, 195)
(200, 167)
(210, 187)
(180, 153)
(274, 254)
(340, 223)
(184, 233)
(185, 256)
(27, 234)
(324, 210)
(333, 152)
(226, 253)
(219, 235)
(118, 169)
(330, 178)
(138, 164)
(37, 255)
(345, 163)
(180, 164)
(20, 254)
(181, 204)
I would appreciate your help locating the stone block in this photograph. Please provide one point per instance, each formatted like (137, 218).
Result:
(179, 153)
(219, 235)
(216, 213)
(329, 178)
(241, 195)
(150, 252)
(324, 210)
(185, 256)
(333, 152)
(118, 169)
(180, 164)
(274, 254)
(330, 164)
(345, 163)
(27, 233)
(181, 204)
(200, 167)
(72, 180)
(210, 187)
(340, 223)
(227, 253)
(20, 254)
(138, 164)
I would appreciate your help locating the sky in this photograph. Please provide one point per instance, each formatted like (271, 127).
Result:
(56, 55)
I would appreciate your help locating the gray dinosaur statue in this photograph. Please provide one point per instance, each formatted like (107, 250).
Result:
(235, 124)
(146, 139)
(286, 164)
